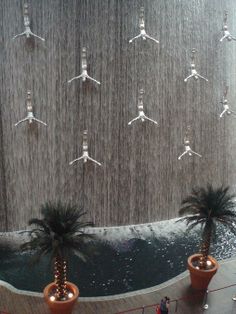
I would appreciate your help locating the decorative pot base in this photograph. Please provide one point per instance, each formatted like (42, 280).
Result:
(200, 278)
(61, 307)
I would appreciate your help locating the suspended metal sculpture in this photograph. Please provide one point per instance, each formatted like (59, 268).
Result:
(225, 104)
(27, 31)
(30, 116)
(187, 149)
(85, 155)
(143, 33)
(226, 34)
(84, 75)
(141, 114)
(194, 72)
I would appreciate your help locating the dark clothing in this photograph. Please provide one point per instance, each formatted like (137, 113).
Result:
(164, 309)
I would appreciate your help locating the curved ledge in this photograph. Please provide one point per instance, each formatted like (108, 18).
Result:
(102, 298)
(116, 296)
(18, 301)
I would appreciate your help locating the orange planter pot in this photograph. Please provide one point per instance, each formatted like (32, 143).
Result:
(61, 307)
(200, 278)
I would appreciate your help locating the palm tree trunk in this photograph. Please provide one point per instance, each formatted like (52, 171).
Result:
(60, 278)
(205, 246)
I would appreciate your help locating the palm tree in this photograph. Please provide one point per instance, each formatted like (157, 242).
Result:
(209, 207)
(59, 234)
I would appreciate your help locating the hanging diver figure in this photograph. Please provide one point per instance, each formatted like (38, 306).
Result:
(27, 31)
(30, 115)
(85, 155)
(187, 149)
(226, 34)
(141, 114)
(194, 72)
(84, 75)
(225, 104)
(142, 33)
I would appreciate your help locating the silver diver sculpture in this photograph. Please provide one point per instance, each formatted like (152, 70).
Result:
(85, 155)
(84, 75)
(141, 114)
(30, 116)
(226, 34)
(194, 72)
(225, 104)
(187, 149)
(143, 33)
(27, 31)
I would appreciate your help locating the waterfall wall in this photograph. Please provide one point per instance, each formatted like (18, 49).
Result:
(141, 180)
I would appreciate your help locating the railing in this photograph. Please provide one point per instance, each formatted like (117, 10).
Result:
(204, 294)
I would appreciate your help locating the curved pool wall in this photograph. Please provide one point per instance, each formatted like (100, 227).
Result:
(180, 289)
(133, 258)
(104, 298)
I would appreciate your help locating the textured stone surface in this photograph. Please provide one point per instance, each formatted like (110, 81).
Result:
(141, 179)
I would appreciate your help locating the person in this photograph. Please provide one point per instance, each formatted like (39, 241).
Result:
(158, 309)
(165, 304)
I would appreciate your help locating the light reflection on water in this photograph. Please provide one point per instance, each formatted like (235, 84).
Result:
(130, 264)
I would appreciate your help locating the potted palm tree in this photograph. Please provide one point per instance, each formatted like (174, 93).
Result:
(59, 234)
(207, 208)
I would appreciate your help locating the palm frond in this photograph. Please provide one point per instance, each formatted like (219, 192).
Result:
(39, 223)
(61, 231)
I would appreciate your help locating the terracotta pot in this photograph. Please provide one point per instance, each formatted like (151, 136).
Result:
(61, 307)
(200, 278)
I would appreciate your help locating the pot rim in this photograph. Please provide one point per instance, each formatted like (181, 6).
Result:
(196, 256)
(70, 285)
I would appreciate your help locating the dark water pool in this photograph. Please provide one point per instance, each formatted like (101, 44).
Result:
(127, 265)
